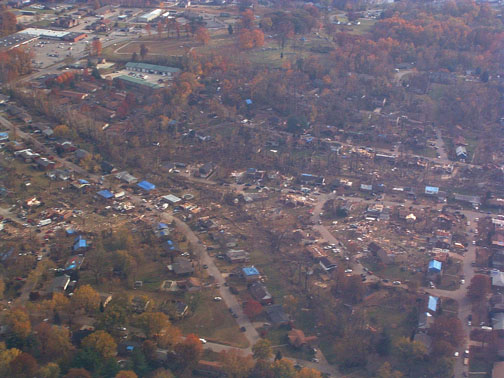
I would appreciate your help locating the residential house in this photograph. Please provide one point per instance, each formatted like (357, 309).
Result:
(171, 199)
(260, 293)
(147, 186)
(80, 244)
(431, 190)
(497, 279)
(182, 266)
(276, 315)
(498, 239)
(373, 248)
(74, 263)
(206, 170)
(309, 179)
(316, 252)
(461, 153)
(475, 201)
(327, 264)
(251, 274)
(105, 194)
(140, 304)
(498, 260)
(432, 304)
(81, 154)
(298, 339)
(45, 164)
(434, 268)
(105, 299)
(60, 284)
(234, 256)
(126, 177)
(386, 257)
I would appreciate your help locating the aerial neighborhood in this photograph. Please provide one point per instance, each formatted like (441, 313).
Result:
(252, 189)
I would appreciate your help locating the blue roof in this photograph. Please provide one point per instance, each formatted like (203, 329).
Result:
(250, 271)
(105, 194)
(435, 265)
(162, 226)
(431, 189)
(307, 175)
(129, 348)
(82, 181)
(248, 101)
(4, 134)
(433, 303)
(81, 243)
(145, 185)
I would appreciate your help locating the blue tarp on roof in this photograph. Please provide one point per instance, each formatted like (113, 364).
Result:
(435, 265)
(432, 303)
(162, 226)
(250, 271)
(171, 245)
(431, 190)
(145, 185)
(80, 243)
(70, 231)
(4, 135)
(82, 181)
(105, 194)
(248, 101)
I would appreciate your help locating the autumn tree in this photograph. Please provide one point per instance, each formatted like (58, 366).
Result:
(18, 323)
(479, 288)
(152, 323)
(78, 373)
(258, 38)
(253, 308)
(6, 357)
(169, 337)
(236, 364)
(23, 366)
(247, 20)
(55, 342)
(7, 23)
(101, 342)
(189, 351)
(61, 131)
(202, 36)
(308, 373)
(51, 370)
(96, 47)
(385, 371)
(283, 368)
(87, 298)
(143, 51)
(261, 350)
(246, 39)
(447, 328)
(148, 28)
(126, 374)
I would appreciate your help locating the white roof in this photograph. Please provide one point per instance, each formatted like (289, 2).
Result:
(44, 32)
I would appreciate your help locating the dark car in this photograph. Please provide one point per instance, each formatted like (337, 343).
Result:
(243, 329)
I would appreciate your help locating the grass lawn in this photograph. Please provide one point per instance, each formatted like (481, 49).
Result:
(480, 366)
(213, 321)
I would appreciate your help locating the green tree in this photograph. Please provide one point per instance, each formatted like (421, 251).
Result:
(385, 371)
(261, 350)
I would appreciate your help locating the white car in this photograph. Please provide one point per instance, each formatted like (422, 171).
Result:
(396, 282)
(348, 270)
(217, 299)
(203, 341)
